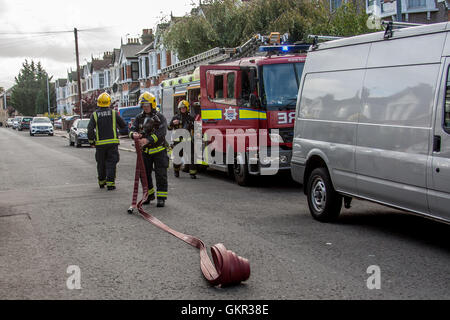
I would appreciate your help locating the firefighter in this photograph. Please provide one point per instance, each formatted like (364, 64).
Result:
(150, 127)
(183, 120)
(102, 132)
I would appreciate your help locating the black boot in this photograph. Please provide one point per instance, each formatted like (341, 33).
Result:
(161, 203)
(193, 176)
(149, 198)
(111, 187)
(176, 173)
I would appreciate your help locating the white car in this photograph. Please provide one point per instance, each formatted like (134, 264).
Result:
(41, 125)
(16, 122)
(57, 124)
(9, 122)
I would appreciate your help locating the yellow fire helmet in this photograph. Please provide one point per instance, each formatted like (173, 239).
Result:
(104, 100)
(147, 97)
(183, 103)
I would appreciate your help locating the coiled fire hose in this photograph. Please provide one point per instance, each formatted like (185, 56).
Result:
(228, 268)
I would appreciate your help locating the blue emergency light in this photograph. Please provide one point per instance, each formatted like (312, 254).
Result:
(285, 48)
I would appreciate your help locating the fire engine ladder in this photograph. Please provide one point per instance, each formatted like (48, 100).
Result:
(189, 64)
(215, 55)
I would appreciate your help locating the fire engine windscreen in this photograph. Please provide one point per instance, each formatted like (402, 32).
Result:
(280, 85)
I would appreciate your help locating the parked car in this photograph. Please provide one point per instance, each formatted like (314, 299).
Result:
(68, 121)
(16, 122)
(58, 123)
(373, 122)
(24, 123)
(78, 133)
(41, 125)
(128, 113)
(9, 122)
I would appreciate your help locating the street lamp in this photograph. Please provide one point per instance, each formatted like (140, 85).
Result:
(48, 97)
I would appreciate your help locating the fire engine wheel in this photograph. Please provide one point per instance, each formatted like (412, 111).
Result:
(240, 170)
(323, 201)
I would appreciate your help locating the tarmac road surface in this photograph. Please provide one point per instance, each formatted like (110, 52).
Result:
(53, 216)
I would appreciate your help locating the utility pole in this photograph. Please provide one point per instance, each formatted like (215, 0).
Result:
(48, 97)
(78, 72)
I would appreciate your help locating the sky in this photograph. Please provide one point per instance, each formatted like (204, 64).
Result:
(101, 26)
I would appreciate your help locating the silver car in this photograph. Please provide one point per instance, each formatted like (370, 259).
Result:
(78, 133)
(16, 121)
(373, 122)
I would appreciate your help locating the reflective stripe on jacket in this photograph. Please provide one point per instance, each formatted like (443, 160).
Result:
(103, 126)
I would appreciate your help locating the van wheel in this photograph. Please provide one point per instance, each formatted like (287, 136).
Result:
(323, 201)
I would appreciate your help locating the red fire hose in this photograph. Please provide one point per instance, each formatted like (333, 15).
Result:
(228, 268)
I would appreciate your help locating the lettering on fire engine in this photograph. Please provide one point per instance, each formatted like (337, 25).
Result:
(285, 117)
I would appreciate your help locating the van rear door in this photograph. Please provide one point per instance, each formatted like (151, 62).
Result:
(439, 186)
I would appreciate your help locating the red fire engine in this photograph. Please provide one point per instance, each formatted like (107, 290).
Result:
(254, 93)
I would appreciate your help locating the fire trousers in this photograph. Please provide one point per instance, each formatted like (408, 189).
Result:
(190, 166)
(107, 157)
(158, 162)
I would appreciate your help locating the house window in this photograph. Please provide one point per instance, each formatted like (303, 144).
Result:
(101, 81)
(168, 59)
(412, 4)
(147, 67)
(107, 77)
(370, 3)
(134, 71)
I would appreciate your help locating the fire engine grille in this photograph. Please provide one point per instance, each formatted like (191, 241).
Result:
(287, 134)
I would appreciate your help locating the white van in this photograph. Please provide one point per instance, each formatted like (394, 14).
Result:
(373, 122)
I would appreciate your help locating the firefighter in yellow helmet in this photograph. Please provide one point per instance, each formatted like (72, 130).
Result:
(183, 120)
(102, 132)
(150, 127)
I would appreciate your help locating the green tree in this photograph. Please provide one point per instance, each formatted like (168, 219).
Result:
(216, 23)
(29, 94)
(42, 95)
(229, 23)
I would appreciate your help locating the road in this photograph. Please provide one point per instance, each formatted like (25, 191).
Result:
(53, 215)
